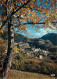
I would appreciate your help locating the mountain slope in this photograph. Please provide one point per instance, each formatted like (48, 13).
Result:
(17, 37)
(48, 41)
(20, 38)
(52, 37)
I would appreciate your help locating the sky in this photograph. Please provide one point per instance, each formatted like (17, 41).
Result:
(32, 33)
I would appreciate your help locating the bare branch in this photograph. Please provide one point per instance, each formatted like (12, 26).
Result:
(35, 23)
(6, 2)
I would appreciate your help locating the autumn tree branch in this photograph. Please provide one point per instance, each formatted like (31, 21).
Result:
(35, 23)
(14, 13)
(17, 11)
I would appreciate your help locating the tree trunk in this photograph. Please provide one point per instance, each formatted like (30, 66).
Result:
(8, 60)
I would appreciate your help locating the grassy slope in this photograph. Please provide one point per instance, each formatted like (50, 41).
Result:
(14, 74)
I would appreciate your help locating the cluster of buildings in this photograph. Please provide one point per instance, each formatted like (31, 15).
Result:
(32, 50)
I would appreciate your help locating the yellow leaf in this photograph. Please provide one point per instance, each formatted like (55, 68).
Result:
(49, 23)
(2, 31)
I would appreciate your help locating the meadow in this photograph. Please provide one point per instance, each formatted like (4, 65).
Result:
(14, 74)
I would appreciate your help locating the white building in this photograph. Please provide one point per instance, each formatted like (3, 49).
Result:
(40, 56)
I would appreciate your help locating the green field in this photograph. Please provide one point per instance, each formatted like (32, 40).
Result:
(14, 74)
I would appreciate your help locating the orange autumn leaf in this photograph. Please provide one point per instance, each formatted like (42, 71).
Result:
(0, 26)
(4, 1)
(23, 28)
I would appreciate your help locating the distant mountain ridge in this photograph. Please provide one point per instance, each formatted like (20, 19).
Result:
(51, 37)
(48, 41)
(20, 38)
(17, 37)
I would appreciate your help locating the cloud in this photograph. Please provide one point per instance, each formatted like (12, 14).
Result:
(41, 31)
